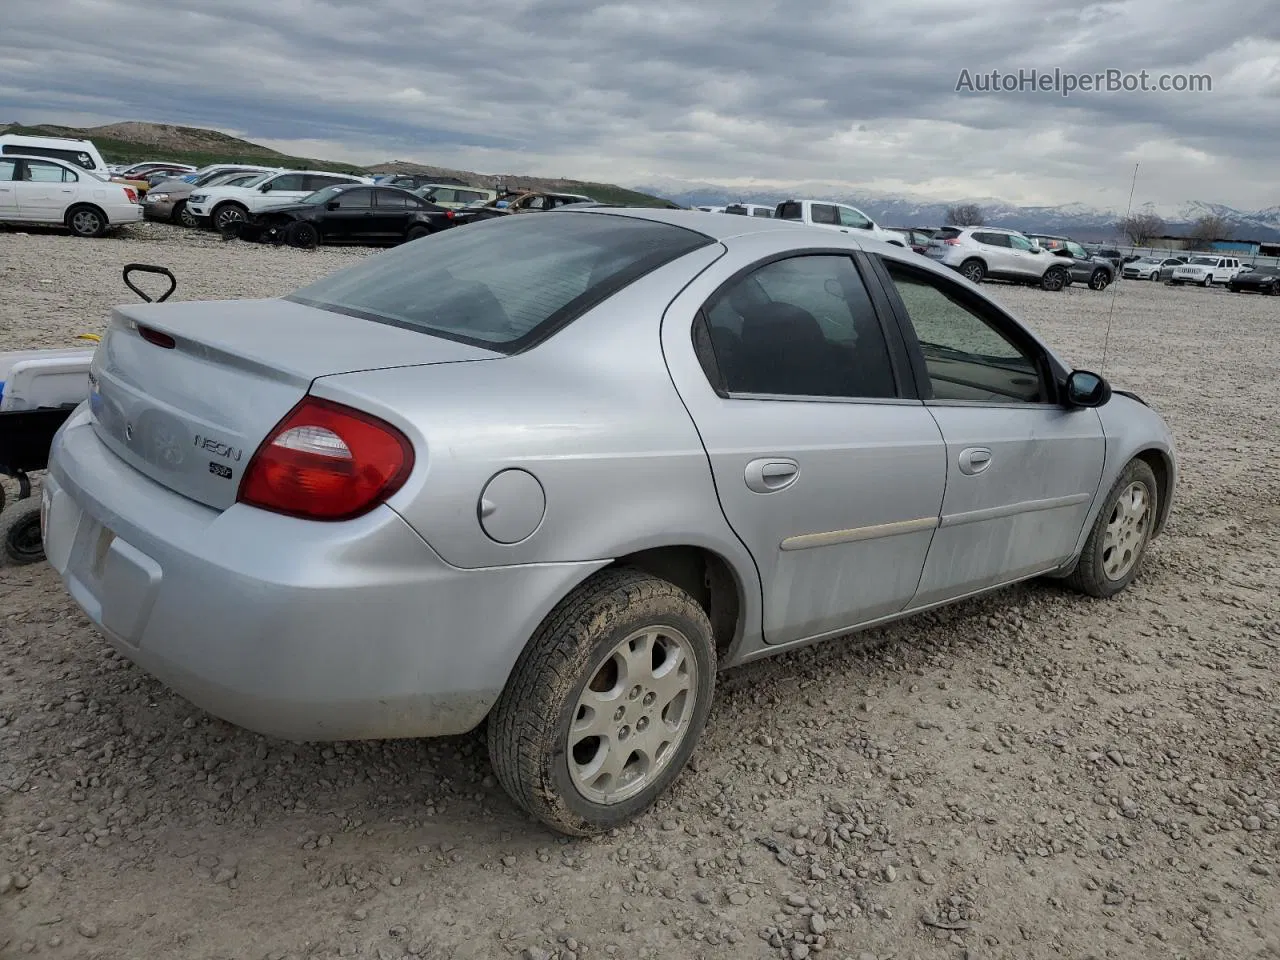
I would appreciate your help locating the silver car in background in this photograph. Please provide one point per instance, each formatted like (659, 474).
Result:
(1151, 268)
(167, 201)
(556, 472)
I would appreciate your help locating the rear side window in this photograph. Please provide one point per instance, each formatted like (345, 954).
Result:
(790, 211)
(78, 157)
(946, 233)
(737, 209)
(762, 212)
(504, 284)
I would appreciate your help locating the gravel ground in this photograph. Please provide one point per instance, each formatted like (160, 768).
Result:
(1032, 774)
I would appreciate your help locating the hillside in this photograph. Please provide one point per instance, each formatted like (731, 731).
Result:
(135, 141)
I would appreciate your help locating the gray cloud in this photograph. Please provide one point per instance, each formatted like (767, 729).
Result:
(772, 90)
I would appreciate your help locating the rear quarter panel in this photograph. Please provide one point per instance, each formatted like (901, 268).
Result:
(591, 413)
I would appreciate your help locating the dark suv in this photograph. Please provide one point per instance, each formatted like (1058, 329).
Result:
(1096, 272)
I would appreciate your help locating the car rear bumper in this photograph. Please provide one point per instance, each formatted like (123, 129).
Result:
(291, 628)
(124, 213)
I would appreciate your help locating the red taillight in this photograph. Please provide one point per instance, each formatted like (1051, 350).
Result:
(131, 194)
(156, 337)
(326, 461)
(448, 214)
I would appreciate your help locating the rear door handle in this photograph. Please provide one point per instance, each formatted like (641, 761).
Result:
(770, 475)
(973, 460)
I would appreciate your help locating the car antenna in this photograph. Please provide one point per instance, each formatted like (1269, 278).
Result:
(1106, 339)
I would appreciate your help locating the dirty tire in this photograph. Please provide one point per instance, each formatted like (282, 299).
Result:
(1089, 577)
(302, 235)
(528, 729)
(1054, 279)
(973, 270)
(20, 532)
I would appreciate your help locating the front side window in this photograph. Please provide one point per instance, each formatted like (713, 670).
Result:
(504, 283)
(293, 181)
(850, 217)
(7, 169)
(1019, 243)
(801, 327)
(967, 356)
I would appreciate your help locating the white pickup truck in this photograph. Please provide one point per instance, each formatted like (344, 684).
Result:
(836, 216)
(1206, 269)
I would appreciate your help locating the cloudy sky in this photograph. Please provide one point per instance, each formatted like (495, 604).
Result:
(728, 91)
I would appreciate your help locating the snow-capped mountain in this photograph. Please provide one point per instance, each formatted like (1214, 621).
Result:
(1076, 220)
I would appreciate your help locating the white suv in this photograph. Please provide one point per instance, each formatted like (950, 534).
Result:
(222, 206)
(1205, 270)
(979, 253)
(45, 190)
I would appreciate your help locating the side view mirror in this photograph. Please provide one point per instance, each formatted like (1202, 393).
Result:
(264, 188)
(1086, 389)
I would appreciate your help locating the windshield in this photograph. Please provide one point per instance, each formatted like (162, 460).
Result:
(1204, 261)
(325, 194)
(505, 283)
(1266, 271)
(1148, 260)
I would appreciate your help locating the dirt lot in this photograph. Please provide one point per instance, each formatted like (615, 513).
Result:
(1028, 775)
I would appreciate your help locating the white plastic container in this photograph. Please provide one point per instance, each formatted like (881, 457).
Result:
(43, 378)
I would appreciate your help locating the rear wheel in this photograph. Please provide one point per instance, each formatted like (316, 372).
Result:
(87, 221)
(1054, 279)
(606, 704)
(20, 532)
(416, 233)
(973, 270)
(1100, 280)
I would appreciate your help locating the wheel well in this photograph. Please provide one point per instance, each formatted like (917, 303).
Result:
(705, 576)
(1159, 465)
(227, 203)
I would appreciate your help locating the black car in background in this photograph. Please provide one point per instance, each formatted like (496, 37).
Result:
(1256, 280)
(348, 213)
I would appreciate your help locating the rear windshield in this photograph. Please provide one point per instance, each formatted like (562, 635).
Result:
(947, 233)
(790, 211)
(504, 284)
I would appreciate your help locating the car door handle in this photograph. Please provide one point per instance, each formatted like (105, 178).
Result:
(771, 475)
(973, 460)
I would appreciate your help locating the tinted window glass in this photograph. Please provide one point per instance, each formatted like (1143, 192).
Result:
(968, 358)
(947, 233)
(800, 327)
(824, 213)
(1077, 251)
(993, 239)
(790, 211)
(736, 209)
(349, 199)
(78, 157)
(294, 181)
(7, 169)
(502, 283)
(389, 199)
(1019, 243)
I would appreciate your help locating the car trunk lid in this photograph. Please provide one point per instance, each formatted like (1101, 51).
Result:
(185, 392)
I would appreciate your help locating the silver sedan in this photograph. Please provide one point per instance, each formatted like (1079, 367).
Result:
(556, 472)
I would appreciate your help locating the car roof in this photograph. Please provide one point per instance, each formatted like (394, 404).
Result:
(714, 225)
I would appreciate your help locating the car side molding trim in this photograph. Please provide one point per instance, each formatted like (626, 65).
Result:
(807, 541)
(1013, 509)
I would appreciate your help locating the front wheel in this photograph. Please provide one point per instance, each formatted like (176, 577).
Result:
(1206, 281)
(1100, 280)
(1054, 280)
(184, 216)
(227, 216)
(302, 234)
(606, 704)
(20, 532)
(1112, 556)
